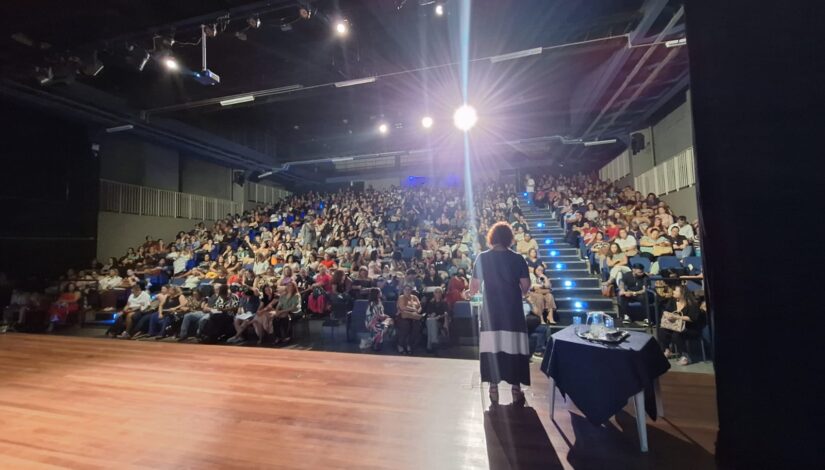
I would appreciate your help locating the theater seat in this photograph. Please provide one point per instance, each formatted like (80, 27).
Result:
(464, 324)
(357, 318)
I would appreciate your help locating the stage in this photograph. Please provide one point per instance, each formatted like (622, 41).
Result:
(68, 402)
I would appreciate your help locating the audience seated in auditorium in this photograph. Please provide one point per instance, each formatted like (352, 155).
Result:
(337, 247)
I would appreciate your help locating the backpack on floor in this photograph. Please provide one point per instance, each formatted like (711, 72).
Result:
(218, 327)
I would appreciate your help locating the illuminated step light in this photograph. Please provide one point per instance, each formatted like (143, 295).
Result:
(569, 283)
(525, 194)
(579, 305)
(559, 266)
(540, 225)
(554, 253)
(548, 241)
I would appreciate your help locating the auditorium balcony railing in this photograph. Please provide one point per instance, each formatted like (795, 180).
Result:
(671, 175)
(140, 200)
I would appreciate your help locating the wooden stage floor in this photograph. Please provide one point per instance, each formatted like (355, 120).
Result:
(68, 402)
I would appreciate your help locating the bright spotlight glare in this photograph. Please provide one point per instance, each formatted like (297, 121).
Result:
(427, 122)
(465, 117)
(171, 63)
(341, 28)
(439, 9)
(383, 128)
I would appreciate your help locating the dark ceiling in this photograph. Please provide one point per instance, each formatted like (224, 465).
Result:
(598, 89)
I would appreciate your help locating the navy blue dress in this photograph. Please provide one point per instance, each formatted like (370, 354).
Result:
(503, 342)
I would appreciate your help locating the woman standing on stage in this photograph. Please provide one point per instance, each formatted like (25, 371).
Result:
(502, 276)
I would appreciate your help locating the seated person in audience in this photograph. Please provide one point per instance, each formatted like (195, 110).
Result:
(66, 304)
(173, 303)
(248, 306)
(654, 244)
(533, 259)
(596, 252)
(412, 280)
(633, 288)
(408, 321)
(685, 229)
(540, 296)
(436, 319)
(289, 305)
(457, 288)
(198, 314)
(376, 322)
(526, 244)
(110, 281)
(616, 263)
(328, 262)
(137, 302)
(683, 306)
(680, 243)
(664, 215)
(627, 243)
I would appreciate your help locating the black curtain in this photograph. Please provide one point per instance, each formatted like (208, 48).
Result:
(49, 194)
(757, 71)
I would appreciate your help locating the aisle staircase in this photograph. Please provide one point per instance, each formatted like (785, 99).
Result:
(576, 290)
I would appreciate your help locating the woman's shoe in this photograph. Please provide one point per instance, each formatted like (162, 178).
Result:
(400, 350)
(494, 395)
(668, 354)
(518, 397)
(683, 361)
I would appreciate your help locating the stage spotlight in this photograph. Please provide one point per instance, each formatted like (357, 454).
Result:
(383, 128)
(171, 64)
(427, 122)
(465, 118)
(439, 9)
(342, 28)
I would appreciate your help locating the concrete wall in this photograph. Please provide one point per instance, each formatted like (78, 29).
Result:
(117, 232)
(205, 178)
(673, 133)
(683, 202)
(130, 160)
(644, 160)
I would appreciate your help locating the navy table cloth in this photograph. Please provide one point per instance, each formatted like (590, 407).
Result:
(600, 378)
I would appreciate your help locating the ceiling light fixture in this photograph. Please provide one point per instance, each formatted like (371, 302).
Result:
(427, 122)
(593, 143)
(383, 128)
(125, 127)
(238, 100)
(676, 43)
(342, 28)
(465, 117)
(516, 55)
(357, 81)
(439, 10)
(171, 64)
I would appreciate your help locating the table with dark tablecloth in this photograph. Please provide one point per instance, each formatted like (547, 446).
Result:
(600, 378)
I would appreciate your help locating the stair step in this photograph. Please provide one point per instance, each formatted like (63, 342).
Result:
(585, 303)
(558, 251)
(567, 266)
(559, 290)
(580, 282)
